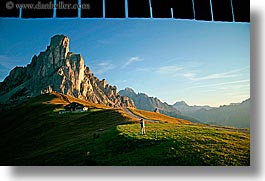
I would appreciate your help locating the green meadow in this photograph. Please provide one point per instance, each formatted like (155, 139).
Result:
(35, 134)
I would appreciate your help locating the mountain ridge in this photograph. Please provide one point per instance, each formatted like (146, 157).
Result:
(144, 102)
(186, 109)
(234, 114)
(57, 69)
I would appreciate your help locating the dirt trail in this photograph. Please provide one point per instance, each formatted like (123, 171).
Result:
(139, 117)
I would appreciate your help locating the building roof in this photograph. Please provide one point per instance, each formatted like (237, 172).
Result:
(74, 105)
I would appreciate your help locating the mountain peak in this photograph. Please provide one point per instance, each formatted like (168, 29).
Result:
(59, 40)
(180, 103)
(128, 89)
(57, 69)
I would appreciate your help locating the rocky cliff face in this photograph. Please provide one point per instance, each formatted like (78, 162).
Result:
(58, 69)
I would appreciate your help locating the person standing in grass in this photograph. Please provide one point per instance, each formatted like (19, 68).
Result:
(142, 130)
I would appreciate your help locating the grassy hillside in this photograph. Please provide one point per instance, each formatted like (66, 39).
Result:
(170, 144)
(158, 116)
(35, 134)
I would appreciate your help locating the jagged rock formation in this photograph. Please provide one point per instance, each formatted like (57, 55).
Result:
(58, 69)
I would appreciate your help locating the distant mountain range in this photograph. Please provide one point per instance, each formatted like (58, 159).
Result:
(144, 102)
(235, 114)
(184, 108)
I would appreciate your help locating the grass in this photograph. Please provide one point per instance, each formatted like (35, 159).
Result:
(35, 134)
(170, 144)
(159, 117)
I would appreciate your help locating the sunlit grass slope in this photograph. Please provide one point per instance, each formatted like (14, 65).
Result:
(170, 144)
(158, 116)
(35, 134)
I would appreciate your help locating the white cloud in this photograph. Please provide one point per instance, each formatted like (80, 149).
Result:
(102, 67)
(5, 61)
(229, 74)
(104, 42)
(217, 76)
(224, 83)
(189, 75)
(10, 62)
(172, 69)
(132, 60)
(243, 96)
(143, 69)
(103, 64)
(3, 57)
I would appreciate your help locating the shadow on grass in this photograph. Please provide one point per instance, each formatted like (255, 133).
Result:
(114, 148)
(128, 147)
(32, 134)
(37, 136)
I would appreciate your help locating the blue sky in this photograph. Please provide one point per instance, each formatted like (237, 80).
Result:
(202, 63)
